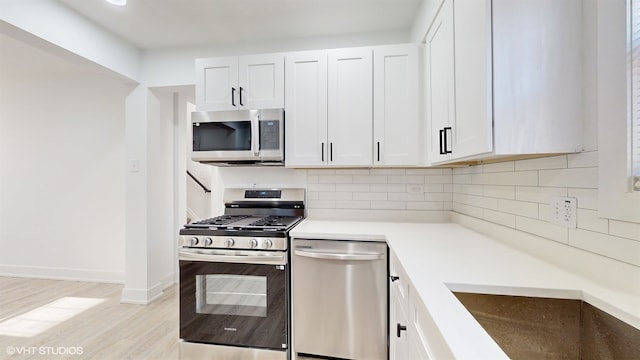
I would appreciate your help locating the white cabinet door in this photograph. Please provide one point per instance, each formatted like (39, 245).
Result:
(396, 123)
(217, 84)
(350, 107)
(306, 108)
(472, 128)
(261, 81)
(398, 345)
(440, 104)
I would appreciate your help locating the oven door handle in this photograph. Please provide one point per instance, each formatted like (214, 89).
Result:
(344, 257)
(217, 256)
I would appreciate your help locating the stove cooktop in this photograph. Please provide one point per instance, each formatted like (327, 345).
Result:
(246, 222)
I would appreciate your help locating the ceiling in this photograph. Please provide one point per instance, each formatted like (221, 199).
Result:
(151, 24)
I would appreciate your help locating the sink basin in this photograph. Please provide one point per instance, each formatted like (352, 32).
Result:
(542, 328)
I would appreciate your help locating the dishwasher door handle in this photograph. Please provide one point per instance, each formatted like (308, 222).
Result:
(334, 256)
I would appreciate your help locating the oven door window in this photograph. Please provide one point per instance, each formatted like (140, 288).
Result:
(234, 304)
(225, 294)
(222, 136)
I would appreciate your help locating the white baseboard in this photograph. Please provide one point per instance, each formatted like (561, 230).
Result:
(41, 272)
(168, 280)
(141, 296)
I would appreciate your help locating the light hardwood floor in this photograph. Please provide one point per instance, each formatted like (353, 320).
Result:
(108, 330)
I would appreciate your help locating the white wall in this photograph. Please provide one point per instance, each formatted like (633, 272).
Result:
(68, 35)
(61, 168)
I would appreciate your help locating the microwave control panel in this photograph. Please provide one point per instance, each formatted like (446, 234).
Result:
(269, 135)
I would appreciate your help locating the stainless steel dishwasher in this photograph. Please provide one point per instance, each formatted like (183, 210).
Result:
(339, 297)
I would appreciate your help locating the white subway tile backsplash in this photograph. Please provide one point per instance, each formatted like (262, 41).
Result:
(516, 207)
(320, 172)
(370, 196)
(583, 159)
(431, 188)
(543, 229)
(405, 197)
(321, 204)
(522, 178)
(352, 187)
(587, 198)
(438, 179)
(625, 229)
(369, 179)
(352, 171)
(321, 187)
(570, 178)
(542, 195)
(388, 205)
(467, 209)
(352, 204)
(427, 205)
(499, 167)
(388, 187)
(552, 162)
(462, 179)
(405, 179)
(335, 195)
(589, 220)
(426, 171)
(335, 179)
(472, 189)
(544, 212)
(443, 196)
(500, 218)
(514, 194)
(500, 191)
(387, 171)
(612, 246)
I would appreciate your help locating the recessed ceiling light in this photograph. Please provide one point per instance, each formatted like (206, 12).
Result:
(117, 2)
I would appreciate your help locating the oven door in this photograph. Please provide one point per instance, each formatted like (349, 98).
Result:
(225, 135)
(236, 298)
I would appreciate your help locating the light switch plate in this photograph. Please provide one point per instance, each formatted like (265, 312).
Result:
(564, 211)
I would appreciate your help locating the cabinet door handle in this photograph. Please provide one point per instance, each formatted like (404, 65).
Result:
(330, 151)
(241, 104)
(233, 96)
(446, 150)
(441, 137)
(394, 278)
(399, 329)
(322, 152)
(378, 151)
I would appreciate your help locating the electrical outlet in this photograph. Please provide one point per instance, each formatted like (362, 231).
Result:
(415, 189)
(564, 211)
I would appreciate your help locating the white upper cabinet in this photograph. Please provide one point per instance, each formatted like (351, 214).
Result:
(517, 79)
(245, 82)
(439, 83)
(306, 108)
(396, 122)
(350, 88)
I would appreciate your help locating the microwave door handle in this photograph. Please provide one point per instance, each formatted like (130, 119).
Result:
(255, 136)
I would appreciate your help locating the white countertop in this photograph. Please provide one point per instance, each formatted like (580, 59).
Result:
(442, 257)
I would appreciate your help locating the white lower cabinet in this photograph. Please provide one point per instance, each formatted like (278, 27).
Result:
(405, 338)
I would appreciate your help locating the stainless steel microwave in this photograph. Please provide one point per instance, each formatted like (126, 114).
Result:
(239, 137)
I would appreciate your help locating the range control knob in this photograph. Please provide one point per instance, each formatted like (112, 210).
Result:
(268, 243)
(229, 242)
(194, 241)
(208, 241)
(253, 243)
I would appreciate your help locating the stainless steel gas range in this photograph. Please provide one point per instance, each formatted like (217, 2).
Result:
(234, 277)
